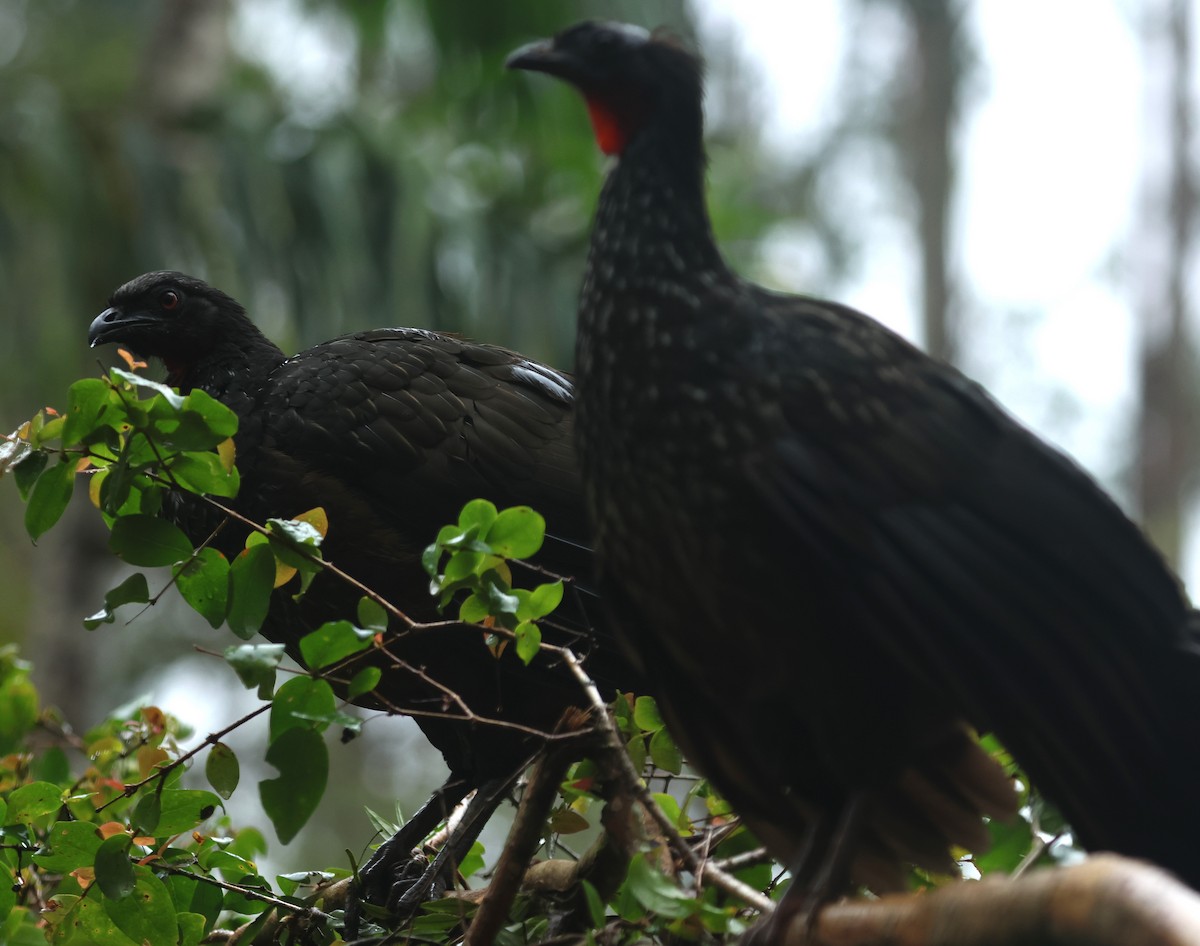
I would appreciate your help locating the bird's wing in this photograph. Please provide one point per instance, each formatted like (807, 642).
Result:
(983, 563)
(418, 423)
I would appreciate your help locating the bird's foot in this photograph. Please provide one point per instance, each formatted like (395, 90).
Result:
(391, 890)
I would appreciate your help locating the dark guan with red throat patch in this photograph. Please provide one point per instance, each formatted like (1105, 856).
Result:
(837, 556)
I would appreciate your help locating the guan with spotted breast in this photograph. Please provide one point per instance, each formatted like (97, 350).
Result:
(835, 556)
(391, 431)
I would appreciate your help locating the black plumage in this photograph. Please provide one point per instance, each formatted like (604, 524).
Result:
(834, 554)
(391, 431)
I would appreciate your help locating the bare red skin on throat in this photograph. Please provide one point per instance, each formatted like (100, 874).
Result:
(611, 133)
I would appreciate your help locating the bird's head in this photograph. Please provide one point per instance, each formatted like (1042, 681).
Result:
(170, 316)
(630, 79)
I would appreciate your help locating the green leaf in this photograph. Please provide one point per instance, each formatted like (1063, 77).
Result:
(147, 913)
(430, 559)
(497, 595)
(148, 541)
(217, 417)
(18, 710)
(133, 590)
(114, 870)
(222, 770)
(183, 809)
(26, 471)
(529, 640)
(473, 863)
(236, 902)
(255, 663)
(203, 473)
(51, 430)
(49, 497)
(191, 928)
(69, 845)
(371, 615)
(636, 747)
(596, 909)
(86, 401)
(363, 682)
(148, 813)
(517, 532)
(204, 583)
(1010, 843)
(35, 800)
(478, 514)
(670, 807)
(646, 714)
(462, 564)
(541, 601)
(297, 701)
(665, 753)
(171, 396)
(332, 642)
(303, 763)
(8, 900)
(195, 898)
(657, 892)
(251, 580)
(473, 609)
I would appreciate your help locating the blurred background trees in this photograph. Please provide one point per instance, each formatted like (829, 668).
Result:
(341, 164)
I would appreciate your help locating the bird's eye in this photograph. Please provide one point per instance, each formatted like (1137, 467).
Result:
(169, 300)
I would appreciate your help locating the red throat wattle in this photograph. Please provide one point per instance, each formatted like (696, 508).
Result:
(611, 134)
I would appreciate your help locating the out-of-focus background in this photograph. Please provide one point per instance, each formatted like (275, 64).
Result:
(1011, 185)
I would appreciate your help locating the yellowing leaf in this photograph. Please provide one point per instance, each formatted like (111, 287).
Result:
(154, 717)
(148, 758)
(316, 518)
(94, 484)
(226, 452)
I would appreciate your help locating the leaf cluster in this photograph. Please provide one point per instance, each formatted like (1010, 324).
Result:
(120, 852)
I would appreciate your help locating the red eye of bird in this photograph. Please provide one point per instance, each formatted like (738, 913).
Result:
(169, 300)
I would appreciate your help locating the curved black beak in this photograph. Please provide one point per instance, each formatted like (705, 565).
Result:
(539, 56)
(111, 324)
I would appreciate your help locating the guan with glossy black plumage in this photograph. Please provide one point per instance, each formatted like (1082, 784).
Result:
(391, 431)
(835, 555)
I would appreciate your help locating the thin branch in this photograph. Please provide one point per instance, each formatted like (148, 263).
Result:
(634, 783)
(316, 560)
(161, 772)
(248, 892)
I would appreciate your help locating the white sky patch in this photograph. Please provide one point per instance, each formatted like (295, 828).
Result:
(311, 52)
(773, 34)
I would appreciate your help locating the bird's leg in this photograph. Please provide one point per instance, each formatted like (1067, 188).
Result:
(407, 895)
(376, 878)
(819, 873)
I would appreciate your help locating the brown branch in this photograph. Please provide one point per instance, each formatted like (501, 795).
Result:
(524, 838)
(1105, 901)
(635, 786)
